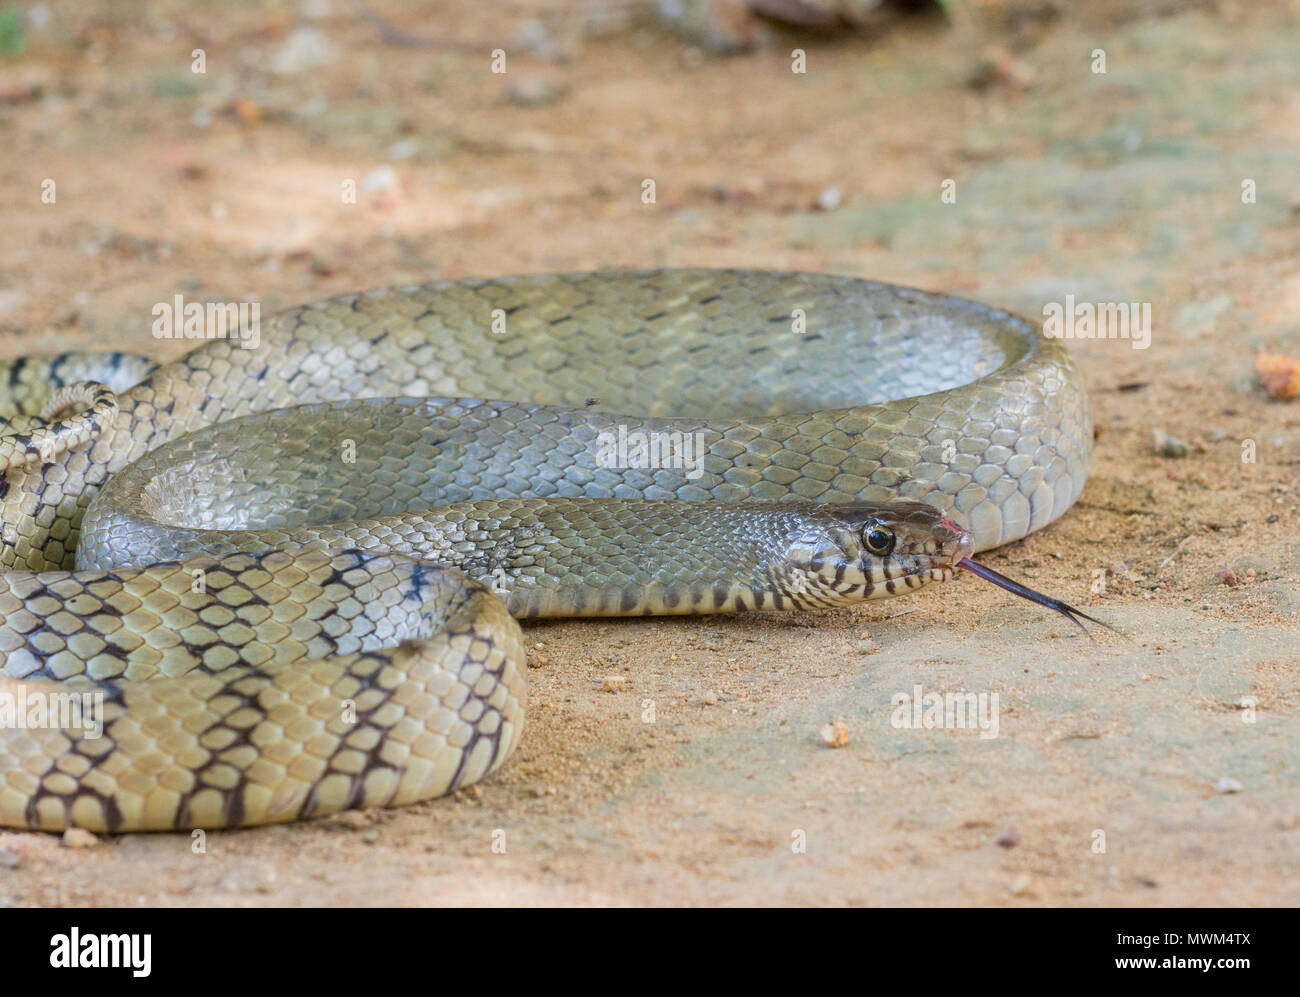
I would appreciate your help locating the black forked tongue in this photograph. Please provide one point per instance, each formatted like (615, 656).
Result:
(1014, 587)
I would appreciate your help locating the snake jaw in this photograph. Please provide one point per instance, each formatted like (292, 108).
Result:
(873, 551)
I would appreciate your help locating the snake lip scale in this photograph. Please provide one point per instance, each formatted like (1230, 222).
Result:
(257, 585)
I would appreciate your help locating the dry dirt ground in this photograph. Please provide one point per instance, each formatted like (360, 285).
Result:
(1157, 772)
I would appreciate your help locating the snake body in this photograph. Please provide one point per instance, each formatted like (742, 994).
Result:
(283, 580)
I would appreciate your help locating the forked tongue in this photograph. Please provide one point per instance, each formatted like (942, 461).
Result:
(1014, 587)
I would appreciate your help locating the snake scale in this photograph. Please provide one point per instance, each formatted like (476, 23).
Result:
(282, 581)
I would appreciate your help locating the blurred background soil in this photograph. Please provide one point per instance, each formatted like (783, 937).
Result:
(1161, 772)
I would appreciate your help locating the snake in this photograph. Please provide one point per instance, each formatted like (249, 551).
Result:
(281, 576)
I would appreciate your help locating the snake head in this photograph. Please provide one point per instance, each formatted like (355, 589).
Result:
(872, 551)
(869, 551)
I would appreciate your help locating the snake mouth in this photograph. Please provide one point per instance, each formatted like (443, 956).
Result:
(962, 544)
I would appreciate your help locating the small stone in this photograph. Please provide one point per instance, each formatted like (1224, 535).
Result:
(11, 299)
(246, 110)
(370, 837)
(1229, 785)
(77, 837)
(1218, 434)
(717, 26)
(1279, 374)
(1227, 577)
(305, 48)
(403, 148)
(381, 179)
(354, 820)
(1009, 838)
(997, 67)
(10, 859)
(711, 699)
(612, 683)
(1021, 884)
(835, 735)
(1273, 518)
(867, 647)
(1169, 446)
(257, 878)
(829, 199)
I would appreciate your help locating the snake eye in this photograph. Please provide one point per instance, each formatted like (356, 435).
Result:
(879, 540)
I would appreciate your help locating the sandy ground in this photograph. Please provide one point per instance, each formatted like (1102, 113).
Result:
(1157, 772)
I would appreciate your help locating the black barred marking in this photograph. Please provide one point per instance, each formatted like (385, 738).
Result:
(774, 584)
(629, 598)
(494, 739)
(107, 804)
(419, 573)
(359, 560)
(232, 808)
(113, 693)
(54, 373)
